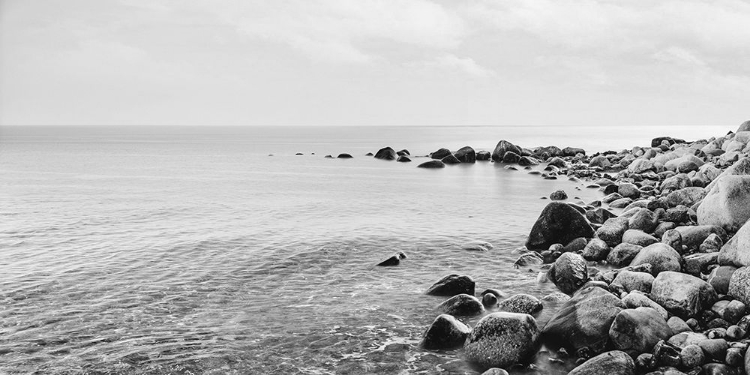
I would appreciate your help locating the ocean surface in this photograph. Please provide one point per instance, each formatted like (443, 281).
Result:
(190, 250)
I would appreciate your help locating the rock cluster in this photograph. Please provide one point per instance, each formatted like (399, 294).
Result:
(658, 270)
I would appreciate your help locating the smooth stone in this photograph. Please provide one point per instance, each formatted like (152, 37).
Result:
(714, 348)
(394, 260)
(611, 197)
(673, 238)
(584, 320)
(694, 235)
(502, 148)
(568, 273)
(452, 285)
(621, 203)
(631, 281)
(466, 154)
(385, 153)
(636, 299)
(432, 164)
(483, 156)
(450, 159)
(404, 159)
(682, 294)
(681, 340)
(558, 195)
(612, 231)
(558, 223)
(522, 304)
(403, 152)
(678, 325)
(686, 196)
(440, 153)
(445, 332)
(596, 250)
(495, 371)
(727, 204)
(502, 339)
(719, 278)
(462, 305)
(614, 362)
(734, 358)
(692, 356)
(731, 311)
(489, 300)
(556, 297)
(628, 190)
(661, 257)
(676, 182)
(477, 246)
(735, 333)
(344, 156)
(696, 264)
(528, 258)
(739, 285)
(644, 220)
(638, 330)
(623, 254)
(638, 237)
(736, 252)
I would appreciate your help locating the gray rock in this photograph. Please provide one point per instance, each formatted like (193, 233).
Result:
(568, 273)
(673, 238)
(558, 223)
(446, 332)
(640, 281)
(739, 285)
(736, 252)
(637, 299)
(623, 254)
(596, 250)
(621, 203)
(727, 204)
(495, 371)
(643, 219)
(462, 305)
(720, 277)
(432, 164)
(466, 154)
(452, 285)
(692, 356)
(678, 325)
(693, 236)
(584, 321)
(731, 311)
(681, 294)
(522, 304)
(599, 215)
(676, 182)
(614, 362)
(696, 264)
(686, 197)
(628, 190)
(660, 256)
(502, 148)
(440, 154)
(612, 231)
(558, 195)
(638, 237)
(502, 339)
(386, 153)
(450, 159)
(403, 159)
(711, 244)
(638, 330)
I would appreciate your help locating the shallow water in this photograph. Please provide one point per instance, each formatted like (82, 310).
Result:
(191, 251)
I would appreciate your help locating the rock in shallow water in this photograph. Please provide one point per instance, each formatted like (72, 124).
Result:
(446, 332)
(452, 285)
(386, 153)
(522, 304)
(558, 223)
(462, 305)
(502, 339)
(432, 164)
(569, 272)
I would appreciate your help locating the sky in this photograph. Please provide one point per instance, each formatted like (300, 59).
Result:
(375, 62)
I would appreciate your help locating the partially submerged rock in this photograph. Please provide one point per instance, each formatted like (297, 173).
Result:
(502, 339)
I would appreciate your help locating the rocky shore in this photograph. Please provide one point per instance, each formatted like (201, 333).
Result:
(654, 277)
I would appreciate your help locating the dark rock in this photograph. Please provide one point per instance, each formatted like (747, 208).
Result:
(558, 195)
(450, 159)
(719, 278)
(681, 294)
(573, 151)
(344, 156)
(502, 339)
(568, 273)
(394, 260)
(558, 223)
(685, 197)
(452, 285)
(522, 304)
(696, 264)
(623, 254)
(511, 157)
(678, 325)
(599, 215)
(673, 239)
(660, 256)
(441, 153)
(643, 219)
(466, 154)
(446, 332)
(386, 153)
(666, 354)
(404, 159)
(369, 154)
(596, 250)
(727, 204)
(584, 321)
(731, 311)
(714, 348)
(489, 300)
(529, 258)
(612, 230)
(502, 148)
(432, 164)
(483, 156)
(462, 305)
(611, 363)
(403, 152)
(628, 190)
(526, 161)
(638, 330)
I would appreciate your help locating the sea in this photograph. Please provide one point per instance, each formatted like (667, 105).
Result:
(219, 250)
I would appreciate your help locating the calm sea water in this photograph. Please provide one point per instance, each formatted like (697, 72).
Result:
(190, 250)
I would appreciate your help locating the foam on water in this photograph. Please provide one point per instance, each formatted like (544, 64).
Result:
(189, 250)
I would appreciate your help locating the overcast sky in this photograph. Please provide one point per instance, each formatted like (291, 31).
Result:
(368, 62)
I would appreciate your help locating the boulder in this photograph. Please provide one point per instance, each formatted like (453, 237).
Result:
(526, 161)
(452, 285)
(558, 223)
(682, 340)
(682, 294)
(731, 311)
(466, 154)
(614, 362)
(599, 215)
(639, 166)
(596, 250)
(404, 159)
(462, 305)
(745, 126)
(686, 197)
(432, 164)
(638, 237)
(643, 219)
(638, 330)
(739, 285)
(483, 155)
(693, 236)
(600, 161)
(386, 153)
(502, 339)
(502, 148)
(522, 304)
(727, 204)
(640, 281)
(584, 320)
(573, 151)
(739, 168)
(736, 252)
(676, 182)
(446, 332)
(623, 254)
(628, 190)
(661, 257)
(636, 299)
(450, 159)
(692, 356)
(441, 153)
(612, 230)
(568, 273)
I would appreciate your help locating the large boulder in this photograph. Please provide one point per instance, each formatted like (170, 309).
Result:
(466, 154)
(686, 197)
(740, 168)
(727, 204)
(452, 285)
(446, 332)
(682, 294)
(386, 153)
(522, 304)
(660, 256)
(502, 339)
(694, 235)
(558, 223)
(568, 273)
(739, 285)
(462, 305)
(503, 147)
(736, 252)
(614, 362)
(745, 126)
(441, 153)
(630, 280)
(638, 330)
(584, 320)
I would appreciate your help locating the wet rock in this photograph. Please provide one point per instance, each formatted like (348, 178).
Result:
(714, 348)
(386, 153)
(731, 311)
(584, 321)
(452, 285)
(611, 197)
(628, 190)
(727, 204)
(575, 246)
(403, 152)
(432, 164)
(477, 246)
(450, 159)
(558, 223)
(599, 215)
(638, 330)
(573, 151)
(462, 305)
(502, 339)
(643, 219)
(640, 281)
(638, 237)
(446, 332)
(662, 228)
(529, 258)
(502, 148)
(600, 161)
(660, 256)
(720, 277)
(558, 195)
(685, 197)
(612, 230)
(623, 254)
(596, 250)
(526, 161)
(614, 362)
(639, 166)
(734, 358)
(483, 156)
(489, 300)
(673, 238)
(621, 203)
(666, 354)
(682, 294)
(568, 273)
(736, 252)
(441, 153)
(676, 182)
(522, 304)
(404, 159)
(466, 154)
(394, 260)
(637, 299)
(495, 371)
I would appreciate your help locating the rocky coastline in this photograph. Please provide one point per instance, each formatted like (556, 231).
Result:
(654, 277)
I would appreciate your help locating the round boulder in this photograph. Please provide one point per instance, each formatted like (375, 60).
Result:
(522, 304)
(568, 273)
(558, 223)
(446, 332)
(502, 339)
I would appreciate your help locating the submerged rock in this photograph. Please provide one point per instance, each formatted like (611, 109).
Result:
(462, 305)
(502, 148)
(441, 153)
(432, 164)
(386, 153)
(502, 339)
(452, 285)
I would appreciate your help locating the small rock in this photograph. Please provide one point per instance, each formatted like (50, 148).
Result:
(462, 305)
(446, 332)
(568, 273)
(558, 195)
(522, 304)
(692, 356)
(452, 285)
